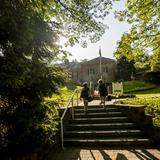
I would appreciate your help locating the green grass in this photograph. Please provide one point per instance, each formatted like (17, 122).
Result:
(147, 94)
(139, 86)
(141, 89)
(62, 98)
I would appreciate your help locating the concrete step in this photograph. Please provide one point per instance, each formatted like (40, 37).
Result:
(95, 110)
(96, 106)
(103, 126)
(134, 141)
(103, 133)
(101, 114)
(99, 120)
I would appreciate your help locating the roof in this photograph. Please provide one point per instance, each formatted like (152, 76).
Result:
(73, 65)
(97, 60)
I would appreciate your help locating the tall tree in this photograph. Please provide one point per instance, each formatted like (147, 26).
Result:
(144, 17)
(125, 69)
(29, 49)
(155, 61)
(132, 54)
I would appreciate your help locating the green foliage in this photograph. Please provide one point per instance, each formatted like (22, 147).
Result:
(136, 56)
(144, 36)
(29, 49)
(152, 77)
(125, 69)
(63, 97)
(144, 91)
(81, 20)
(152, 107)
(155, 61)
(28, 126)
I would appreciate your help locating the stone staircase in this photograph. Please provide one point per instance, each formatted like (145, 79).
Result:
(103, 127)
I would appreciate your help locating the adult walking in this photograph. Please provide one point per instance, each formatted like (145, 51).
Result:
(102, 91)
(85, 93)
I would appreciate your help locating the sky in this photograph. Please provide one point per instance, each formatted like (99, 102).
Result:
(108, 41)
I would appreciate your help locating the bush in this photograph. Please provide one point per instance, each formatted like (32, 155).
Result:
(27, 127)
(152, 77)
(119, 95)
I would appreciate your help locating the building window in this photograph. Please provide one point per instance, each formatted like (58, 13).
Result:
(105, 69)
(91, 71)
(75, 74)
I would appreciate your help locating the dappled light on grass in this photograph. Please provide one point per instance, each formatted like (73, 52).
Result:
(63, 97)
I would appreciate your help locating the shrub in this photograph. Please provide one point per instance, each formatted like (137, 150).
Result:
(152, 77)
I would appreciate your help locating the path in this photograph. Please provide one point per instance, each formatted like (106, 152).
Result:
(103, 153)
(96, 102)
(107, 154)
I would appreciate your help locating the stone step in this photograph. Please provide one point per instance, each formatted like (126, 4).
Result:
(95, 110)
(97, 106)
(103, 133)
(134, 141)
(99, 120)
(103, 114)
(104, 126)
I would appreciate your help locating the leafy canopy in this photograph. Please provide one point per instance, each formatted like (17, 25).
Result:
(29, 49)
(144, 36)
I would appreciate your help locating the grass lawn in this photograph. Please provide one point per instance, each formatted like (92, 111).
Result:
(138, 95)
(140, 87)
(147, 94)
(63, 97)
(137, 86)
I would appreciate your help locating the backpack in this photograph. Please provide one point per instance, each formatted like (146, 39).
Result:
(84, 92)
(103, 89)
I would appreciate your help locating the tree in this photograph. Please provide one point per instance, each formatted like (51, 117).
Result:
(155, 61)
(125, 69)
(29, 50)
(144, 17)
(127, 49)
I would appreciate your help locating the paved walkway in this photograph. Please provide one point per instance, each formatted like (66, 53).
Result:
(106, 154)
(100, 153)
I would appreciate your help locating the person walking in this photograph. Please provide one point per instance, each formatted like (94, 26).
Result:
(102, 91)
(85, 92)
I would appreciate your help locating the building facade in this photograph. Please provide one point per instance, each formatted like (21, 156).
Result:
(93, 70)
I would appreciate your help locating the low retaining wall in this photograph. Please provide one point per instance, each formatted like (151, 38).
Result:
(136, 113)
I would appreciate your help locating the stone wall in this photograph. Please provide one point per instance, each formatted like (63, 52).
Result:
(136, 113)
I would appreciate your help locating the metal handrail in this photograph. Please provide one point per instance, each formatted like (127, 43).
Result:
(64, 113)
